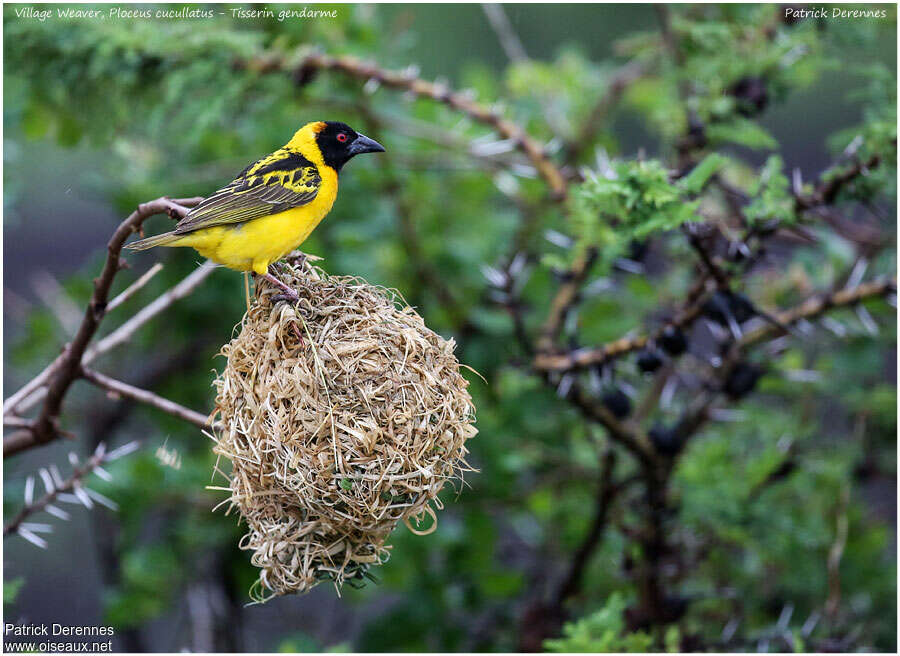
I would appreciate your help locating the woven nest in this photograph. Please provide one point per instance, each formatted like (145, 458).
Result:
(342, 416)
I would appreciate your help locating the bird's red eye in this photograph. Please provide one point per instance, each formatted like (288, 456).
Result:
(342, 137)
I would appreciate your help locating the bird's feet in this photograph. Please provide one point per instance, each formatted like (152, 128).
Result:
(288, 293)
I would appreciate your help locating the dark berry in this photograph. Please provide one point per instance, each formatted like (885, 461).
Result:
(674, 607)
(617, 402)
(741, 307)
(649, 360)
(637, 250)
(673, 341)
(724, 304)
(742, 379)
(751, 94)
(665, 440)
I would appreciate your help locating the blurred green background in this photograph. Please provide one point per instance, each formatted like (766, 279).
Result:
(102, 114)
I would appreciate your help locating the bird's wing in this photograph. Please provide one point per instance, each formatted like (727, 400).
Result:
(278, 182)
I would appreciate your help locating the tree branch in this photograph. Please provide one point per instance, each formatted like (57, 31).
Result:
(34, 391)
(817, 305)
(355, 68)
(74, 481)
(565, 299)
(60, 375)
(590, 357)
(618, 84)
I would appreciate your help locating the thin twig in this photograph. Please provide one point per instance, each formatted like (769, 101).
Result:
(589, 357)
(817, 305)
(441, 93)
(618, 84)
(565, 299)
(134, 287)
(826, 190)
(35, 392)
(78, 474)
(506, 35)
(66, 368)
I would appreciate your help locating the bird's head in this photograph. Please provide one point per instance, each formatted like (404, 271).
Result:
(337, 142)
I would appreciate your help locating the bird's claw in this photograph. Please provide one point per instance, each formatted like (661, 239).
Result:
(284, 296)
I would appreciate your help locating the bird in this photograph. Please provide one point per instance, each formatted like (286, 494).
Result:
(273, 205)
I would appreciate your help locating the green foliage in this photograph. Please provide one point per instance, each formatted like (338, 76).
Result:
(742, 132)
(149, 576)
(629, 201)
(11, 590)
(601, 632)
(771, 195)
(145, 109)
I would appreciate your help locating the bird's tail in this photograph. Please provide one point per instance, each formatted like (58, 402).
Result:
(165, 239)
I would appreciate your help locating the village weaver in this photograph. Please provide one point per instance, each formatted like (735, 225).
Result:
(273, 205)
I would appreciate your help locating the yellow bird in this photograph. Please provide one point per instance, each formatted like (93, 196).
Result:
(273, 205)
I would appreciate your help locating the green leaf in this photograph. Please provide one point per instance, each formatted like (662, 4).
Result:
(694, 181)
(601, 632)
(11, 589)
(743, 132)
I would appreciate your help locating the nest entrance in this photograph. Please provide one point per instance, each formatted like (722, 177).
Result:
(342, 416)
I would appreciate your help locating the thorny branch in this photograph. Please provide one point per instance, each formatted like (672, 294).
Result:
(59, 375)
(555, 365)
(309, 64)
(56, 487)
(35, 390)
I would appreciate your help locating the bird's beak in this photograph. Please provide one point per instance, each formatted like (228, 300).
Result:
(362, 144)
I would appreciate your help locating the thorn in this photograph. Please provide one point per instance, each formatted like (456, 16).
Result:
(628, 389)
(810, 624)
(665, 399)
(494, 276)
(785, 616)
(518, 264)
(730, 629)
(856, 275)
(805, 327)
(803, 376)
(866, 320)
(58, 512)
(48, 481)
(596, 381)
(834, 326)
(57, 478)
(371, 86)
(853, 146)
(102, 473)
(102, 500)
(629, 266)
(565, 385)
(32, 538)
(727, 415)
(558, 239)
(82, 496)
(499, 297)
(597, 286)
(123, 450)
(29, 490)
